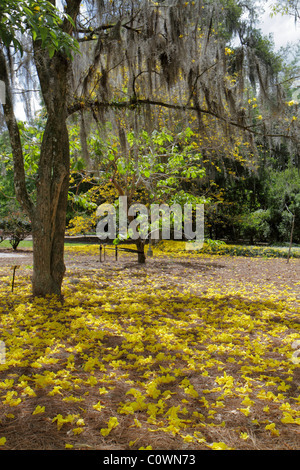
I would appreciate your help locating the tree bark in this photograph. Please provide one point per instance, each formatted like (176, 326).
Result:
(49, 218)
(48, 213)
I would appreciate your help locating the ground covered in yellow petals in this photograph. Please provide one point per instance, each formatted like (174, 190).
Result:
(187, 352)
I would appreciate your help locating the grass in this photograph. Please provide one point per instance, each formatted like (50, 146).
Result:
(22, 244)
(178, 247)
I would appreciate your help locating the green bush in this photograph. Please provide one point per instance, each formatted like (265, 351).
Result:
(215, 247)
(251, 251)
(283, 201)
(255, 225)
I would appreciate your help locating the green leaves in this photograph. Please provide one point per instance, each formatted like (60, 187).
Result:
(161, 137)
(82, 201)
(43, 32)
(41, 20)
(160, 161)
(122, 166)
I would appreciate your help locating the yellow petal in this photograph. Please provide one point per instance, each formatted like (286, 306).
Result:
(2, 441)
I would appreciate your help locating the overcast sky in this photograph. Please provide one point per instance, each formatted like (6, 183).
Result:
(283, 28)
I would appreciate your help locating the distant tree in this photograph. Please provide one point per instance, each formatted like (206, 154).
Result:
(15, 227)
(286, 7)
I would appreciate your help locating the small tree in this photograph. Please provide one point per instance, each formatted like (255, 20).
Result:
(159, 167)
(15, 227)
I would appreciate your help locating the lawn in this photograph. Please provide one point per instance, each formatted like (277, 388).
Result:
(193, 351)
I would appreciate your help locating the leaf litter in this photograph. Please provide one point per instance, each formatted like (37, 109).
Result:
(186, 352)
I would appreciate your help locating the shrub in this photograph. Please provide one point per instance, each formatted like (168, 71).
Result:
(255, 225)
(15, 227)
(221, 248)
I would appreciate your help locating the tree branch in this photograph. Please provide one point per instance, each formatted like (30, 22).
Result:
(135, 102)
(72, 9)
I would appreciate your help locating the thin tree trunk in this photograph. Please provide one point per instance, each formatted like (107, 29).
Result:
(15, 140)
(292, 232)
(140, 245)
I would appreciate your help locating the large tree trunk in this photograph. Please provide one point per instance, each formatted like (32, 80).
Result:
(48, 262)
(48, 231)
(48, 213)
(49, 217)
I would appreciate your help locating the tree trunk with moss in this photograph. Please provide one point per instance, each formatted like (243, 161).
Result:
(49, 216)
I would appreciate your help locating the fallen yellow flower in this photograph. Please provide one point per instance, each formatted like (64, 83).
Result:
(39, 409)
